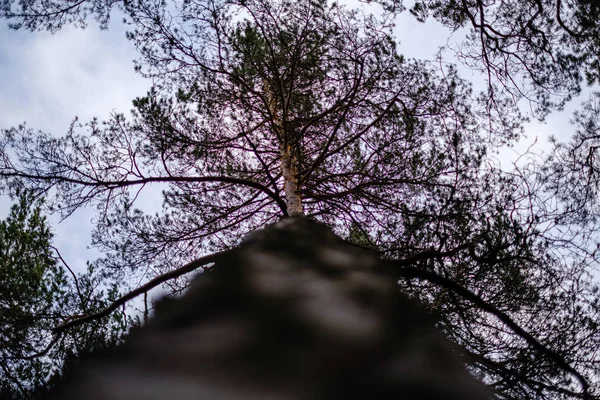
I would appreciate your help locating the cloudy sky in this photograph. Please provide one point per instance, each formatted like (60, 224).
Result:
(47, 80)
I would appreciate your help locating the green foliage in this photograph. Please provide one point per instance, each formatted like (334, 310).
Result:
(36, 295)
(392, 152)
(31, 285)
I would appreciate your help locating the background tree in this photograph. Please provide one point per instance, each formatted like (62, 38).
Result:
(36, 294)
(264, 109)
(541, 50)
(570, 173)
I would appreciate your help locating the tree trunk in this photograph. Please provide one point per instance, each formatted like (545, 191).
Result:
(291, 186)
(289, 161)
(294, 313)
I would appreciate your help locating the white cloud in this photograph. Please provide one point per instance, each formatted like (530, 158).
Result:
(419, 40)
(47, 80)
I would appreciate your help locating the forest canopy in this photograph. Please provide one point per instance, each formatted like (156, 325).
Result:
(264, 109)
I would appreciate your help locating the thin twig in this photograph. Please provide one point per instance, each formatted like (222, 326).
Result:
(83, 303)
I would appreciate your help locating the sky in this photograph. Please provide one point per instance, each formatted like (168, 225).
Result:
(47, 80)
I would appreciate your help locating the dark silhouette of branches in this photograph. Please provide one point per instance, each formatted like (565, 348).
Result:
(190, 267)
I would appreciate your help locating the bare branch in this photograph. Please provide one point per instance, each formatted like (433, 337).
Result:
(191, 266)
(432, 277)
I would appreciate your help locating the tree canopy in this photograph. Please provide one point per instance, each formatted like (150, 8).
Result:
(264, 109)
(37, 292)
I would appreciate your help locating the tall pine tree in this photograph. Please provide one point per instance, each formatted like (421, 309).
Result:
(265, 109)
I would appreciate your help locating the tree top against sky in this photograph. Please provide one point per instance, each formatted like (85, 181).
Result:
(542, 50)
(265, 109)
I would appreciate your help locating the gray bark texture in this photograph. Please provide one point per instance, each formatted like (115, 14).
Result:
(291, 185)
(294, 313)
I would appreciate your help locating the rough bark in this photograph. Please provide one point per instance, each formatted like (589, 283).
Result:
(294, 313)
